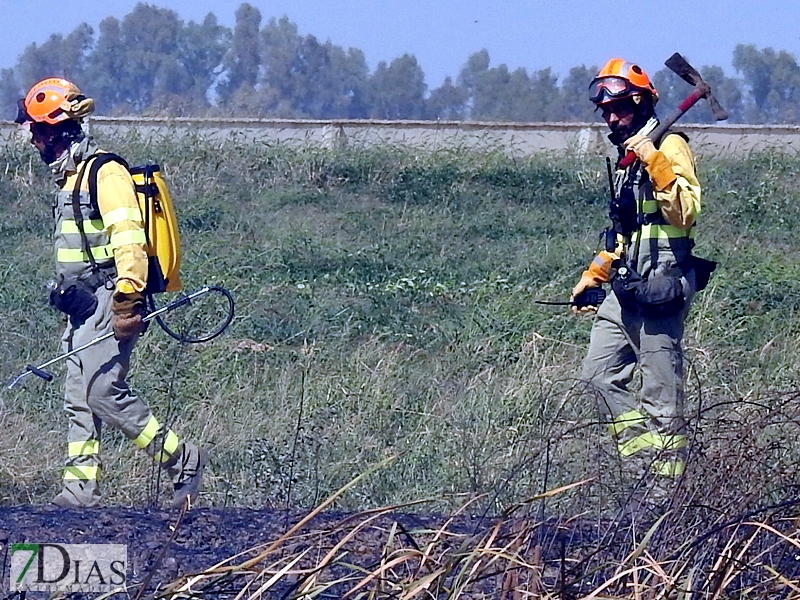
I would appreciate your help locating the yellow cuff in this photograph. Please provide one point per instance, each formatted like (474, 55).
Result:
(600, 268)
(124, 286)
(596, 274)
(660, 170)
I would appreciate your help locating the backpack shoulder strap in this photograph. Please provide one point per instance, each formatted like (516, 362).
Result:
(78, 216)
(99, 161)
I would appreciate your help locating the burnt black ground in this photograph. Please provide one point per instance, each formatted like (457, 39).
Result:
(205, 536)
(575, 555)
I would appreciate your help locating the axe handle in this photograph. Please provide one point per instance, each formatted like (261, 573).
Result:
(662, 128)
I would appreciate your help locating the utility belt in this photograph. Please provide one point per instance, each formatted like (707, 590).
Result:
(76, 297)
(661, 295)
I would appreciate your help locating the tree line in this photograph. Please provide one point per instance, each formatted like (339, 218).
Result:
(151, 62)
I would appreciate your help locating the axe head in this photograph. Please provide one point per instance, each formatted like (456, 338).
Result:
(681, 67)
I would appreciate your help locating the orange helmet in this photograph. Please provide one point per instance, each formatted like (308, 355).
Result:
(52, 101)
(620, 79)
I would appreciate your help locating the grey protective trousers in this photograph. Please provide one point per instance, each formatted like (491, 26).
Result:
(96, 392)
(649, 430)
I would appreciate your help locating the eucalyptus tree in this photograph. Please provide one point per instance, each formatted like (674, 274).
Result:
(397, 89)
(242, 61)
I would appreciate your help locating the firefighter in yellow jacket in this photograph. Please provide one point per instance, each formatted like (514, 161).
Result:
(101, 276)
(648, 260)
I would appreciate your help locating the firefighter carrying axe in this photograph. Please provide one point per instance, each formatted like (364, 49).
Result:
(682, 68)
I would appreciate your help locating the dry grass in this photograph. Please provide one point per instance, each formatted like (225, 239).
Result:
(511, 557)
(385, 307)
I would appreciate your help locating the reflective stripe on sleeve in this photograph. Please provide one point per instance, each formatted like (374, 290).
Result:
(89, 226)
(148, 433)
(87, 448)
(127, 238)
(625, 420)
(76, 255)
(118, 215)
(652, 440)
(81, 473)
(695, 191)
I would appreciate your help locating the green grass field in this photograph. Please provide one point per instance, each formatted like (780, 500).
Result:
(385, 306)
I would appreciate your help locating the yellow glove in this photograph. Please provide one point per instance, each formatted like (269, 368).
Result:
(654, 161)
(584, 283)
(642, 146)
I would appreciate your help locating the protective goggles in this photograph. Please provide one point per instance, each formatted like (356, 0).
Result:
(606, 89)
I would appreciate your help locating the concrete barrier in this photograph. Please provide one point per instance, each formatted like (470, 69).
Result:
(518, 138)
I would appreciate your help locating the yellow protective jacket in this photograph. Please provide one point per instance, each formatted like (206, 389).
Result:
(669, 200)
(115, 236)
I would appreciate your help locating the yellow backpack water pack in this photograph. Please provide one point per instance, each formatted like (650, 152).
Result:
(160, 224)
(161, 228)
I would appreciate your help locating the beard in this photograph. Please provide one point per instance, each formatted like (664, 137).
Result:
(48, 154)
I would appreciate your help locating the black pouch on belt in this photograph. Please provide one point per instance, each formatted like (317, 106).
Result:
(625, 282)
(660, 296)
(75, 298)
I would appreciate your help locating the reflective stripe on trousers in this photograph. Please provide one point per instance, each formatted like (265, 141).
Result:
(152, 434)
(96, 392)
(650, 428)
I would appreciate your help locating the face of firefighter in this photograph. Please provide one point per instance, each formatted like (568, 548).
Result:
(620, 116)
(44, 138)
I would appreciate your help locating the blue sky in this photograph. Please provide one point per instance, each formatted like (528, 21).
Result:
(442, 34)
